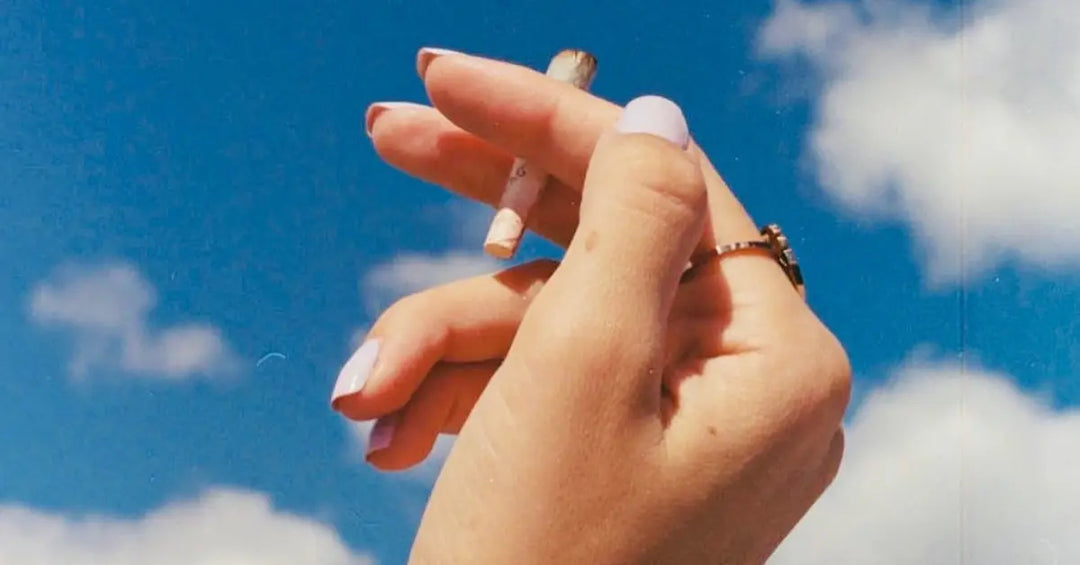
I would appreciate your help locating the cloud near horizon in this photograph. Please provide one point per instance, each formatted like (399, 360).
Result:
(946, 465)
(964, 125)
(106, 308)
(221, 527)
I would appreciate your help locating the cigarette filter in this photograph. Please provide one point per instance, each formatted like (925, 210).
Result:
(526, 180)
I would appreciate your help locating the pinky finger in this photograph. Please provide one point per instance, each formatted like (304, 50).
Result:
(441, 405)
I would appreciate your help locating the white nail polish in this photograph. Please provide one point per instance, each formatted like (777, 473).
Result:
(382, 433)
(378, 108)
(428, 54)
(356, 372)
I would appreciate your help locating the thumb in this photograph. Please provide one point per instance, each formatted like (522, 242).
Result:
(643, 211)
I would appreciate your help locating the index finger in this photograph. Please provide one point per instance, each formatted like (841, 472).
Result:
(557, 126)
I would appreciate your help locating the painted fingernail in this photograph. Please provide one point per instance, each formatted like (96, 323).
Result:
(657, 116)
(376, 109)
(382, 433)
(355, 373)
(428, 54)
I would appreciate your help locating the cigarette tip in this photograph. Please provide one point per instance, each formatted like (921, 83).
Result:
(500, 249)
(505, 234)
(573, 66)
(576, 57)
(577, 54)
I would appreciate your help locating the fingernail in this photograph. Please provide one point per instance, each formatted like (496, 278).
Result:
(382, 433)
(428, 54)
(657, 116)
(376, 109)
(355, 373)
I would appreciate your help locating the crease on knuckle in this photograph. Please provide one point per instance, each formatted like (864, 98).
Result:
(672, 183)
(816, 375)
(831, 378)
(422, 305)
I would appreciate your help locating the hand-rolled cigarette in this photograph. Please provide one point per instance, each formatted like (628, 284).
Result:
(527, 180)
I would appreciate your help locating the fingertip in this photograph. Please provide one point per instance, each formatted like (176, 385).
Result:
(384, 373)
(441, 405)
(655, 115)
(399, 440)
(427, 55)
(382, 433)
(377, 109)
(355, 374)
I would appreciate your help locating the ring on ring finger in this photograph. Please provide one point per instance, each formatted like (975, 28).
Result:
(773, 241)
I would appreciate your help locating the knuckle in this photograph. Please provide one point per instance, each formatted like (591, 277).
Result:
(818, 378)
(403, 315)
(840, 378)
(669, 177)
(832, 376)
(407, 306)
(834, 457)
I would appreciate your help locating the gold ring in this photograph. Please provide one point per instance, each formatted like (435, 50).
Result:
(776, 243)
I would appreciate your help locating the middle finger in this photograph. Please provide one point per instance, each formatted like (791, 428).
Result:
(556, 126)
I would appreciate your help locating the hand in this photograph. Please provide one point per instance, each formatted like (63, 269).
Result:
(634, 417)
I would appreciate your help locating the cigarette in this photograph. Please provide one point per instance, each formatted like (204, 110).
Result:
(526, 180)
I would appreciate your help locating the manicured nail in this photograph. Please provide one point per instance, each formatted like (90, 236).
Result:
(428, 54)
(355, 373)
(657, 116)
(382, 433)
(376, 109)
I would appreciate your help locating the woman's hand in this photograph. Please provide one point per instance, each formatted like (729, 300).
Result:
(629, 415)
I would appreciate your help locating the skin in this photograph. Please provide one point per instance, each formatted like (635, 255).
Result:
(609, 409)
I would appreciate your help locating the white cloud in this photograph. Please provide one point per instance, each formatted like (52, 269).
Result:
(966, 128)
(222, 527)
(106, 309)
(410, 272)
(949, 466)
(407, 273)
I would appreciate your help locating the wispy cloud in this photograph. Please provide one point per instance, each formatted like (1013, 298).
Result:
(965, 128)
(947, 465)
(222, 527)
(414, 271)
(411, 272)
(105, 308)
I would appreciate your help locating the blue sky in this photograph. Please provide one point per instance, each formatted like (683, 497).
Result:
(207, 163)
